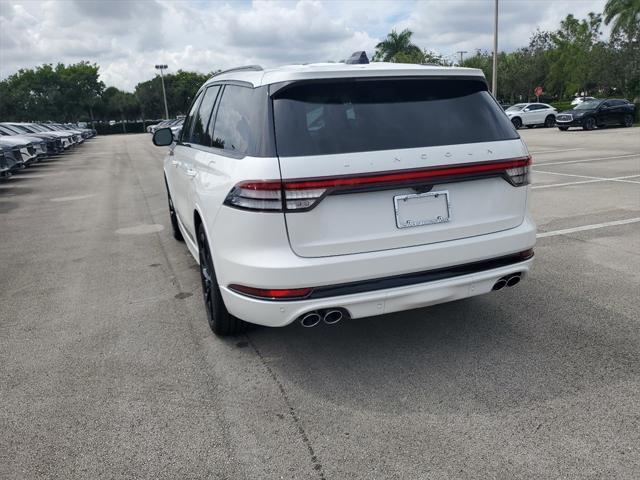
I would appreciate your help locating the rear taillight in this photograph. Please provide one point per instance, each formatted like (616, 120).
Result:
(304, 194)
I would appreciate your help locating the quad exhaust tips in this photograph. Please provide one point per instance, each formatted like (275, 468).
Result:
(508, 281)
(310, 319)
(330, 316)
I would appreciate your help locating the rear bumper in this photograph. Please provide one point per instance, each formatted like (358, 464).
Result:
(280, 268)
(278, 314)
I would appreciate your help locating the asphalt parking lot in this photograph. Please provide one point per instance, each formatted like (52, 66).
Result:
(109, 369)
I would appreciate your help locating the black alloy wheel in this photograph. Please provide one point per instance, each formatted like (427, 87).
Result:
(589, 124)
(220, 320)
(550, 121)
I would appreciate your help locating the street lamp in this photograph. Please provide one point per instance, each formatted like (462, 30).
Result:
(494, 76)
(164, 93)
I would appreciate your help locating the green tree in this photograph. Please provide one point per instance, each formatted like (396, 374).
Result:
(625, 14)
(398, 46)
(181, 88)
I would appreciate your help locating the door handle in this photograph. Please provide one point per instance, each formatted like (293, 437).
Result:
(190, 172)
(174, 163)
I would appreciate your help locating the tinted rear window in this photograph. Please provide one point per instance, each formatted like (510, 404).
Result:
(318, 118)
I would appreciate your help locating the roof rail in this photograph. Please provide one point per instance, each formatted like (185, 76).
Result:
(255, 68)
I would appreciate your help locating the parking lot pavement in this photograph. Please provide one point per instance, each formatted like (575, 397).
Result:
(109, 369)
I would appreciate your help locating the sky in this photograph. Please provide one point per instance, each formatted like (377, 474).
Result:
(128, 37)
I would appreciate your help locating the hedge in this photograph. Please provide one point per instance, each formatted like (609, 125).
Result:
(129, 127)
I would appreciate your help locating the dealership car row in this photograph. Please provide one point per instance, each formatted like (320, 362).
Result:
(22, 144)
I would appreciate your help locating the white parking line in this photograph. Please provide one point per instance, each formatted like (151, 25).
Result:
(591, 179)
(588, 227)
(588, 159)
(556, 151)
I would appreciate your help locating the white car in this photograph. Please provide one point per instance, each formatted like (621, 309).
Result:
(579, 100)
(326, 191)
(532, 114)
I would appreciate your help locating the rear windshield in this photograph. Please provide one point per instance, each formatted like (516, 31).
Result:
(319, 118)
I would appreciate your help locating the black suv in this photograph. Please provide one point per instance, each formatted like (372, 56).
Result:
(597, 113)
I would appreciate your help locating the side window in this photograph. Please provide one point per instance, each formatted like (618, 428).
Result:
(188, 121)
(199, 134)
(241, 121)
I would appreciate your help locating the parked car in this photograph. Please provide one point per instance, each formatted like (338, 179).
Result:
(531, 114)
(53, 143)
(597, 113)
(27, 150)
(176, 128)
(166, 123)
(39, 143)
(28, 129)
(10, 160)
(579, 100)
(327, 191)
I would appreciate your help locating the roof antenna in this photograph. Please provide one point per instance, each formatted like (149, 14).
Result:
(357, 57)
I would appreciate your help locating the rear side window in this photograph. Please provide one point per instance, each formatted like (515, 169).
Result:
(318, 118)
(242, 124)
(199, 134)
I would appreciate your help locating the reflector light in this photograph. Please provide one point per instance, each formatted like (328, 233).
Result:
(270, 293)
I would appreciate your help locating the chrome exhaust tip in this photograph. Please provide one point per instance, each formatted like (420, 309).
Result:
(332, 316)
(513, 280)
(310, 319)
(500, 284)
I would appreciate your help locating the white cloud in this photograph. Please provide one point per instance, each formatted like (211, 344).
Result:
(127, 38)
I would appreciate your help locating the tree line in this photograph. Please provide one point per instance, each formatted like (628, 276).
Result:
(575, 59)
(75, 92)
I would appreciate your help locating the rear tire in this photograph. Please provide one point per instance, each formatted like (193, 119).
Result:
(550, 121)
(589, 124)
(221, 322)
(627, 121)
(517, 123)
(177, 234)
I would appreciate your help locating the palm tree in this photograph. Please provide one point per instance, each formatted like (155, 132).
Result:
(395, 44)
(624, 13)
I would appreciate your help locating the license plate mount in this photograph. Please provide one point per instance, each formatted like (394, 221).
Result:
(419, 209)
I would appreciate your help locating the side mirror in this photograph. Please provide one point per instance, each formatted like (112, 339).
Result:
(527, 109)
(163, 137)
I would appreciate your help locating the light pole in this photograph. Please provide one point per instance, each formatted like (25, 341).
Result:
(461, 52)
(494, 75)
(164, 94)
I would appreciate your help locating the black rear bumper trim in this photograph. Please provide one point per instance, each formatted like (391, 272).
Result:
(418, 277)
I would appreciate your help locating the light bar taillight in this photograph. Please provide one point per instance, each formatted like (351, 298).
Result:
(304, 194)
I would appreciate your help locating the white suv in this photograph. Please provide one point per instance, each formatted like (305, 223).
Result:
(327, 191)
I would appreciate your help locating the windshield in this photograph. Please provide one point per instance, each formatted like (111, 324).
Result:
(516, 108)
(588, 105)
(11, 128)
(343, 116)
(21, 129)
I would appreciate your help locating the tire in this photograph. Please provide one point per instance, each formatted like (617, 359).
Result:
(589, 124)
(221, 322)
(177, 234)
(563, 129)
(627, 121)
(550, 121)
(517, 123)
